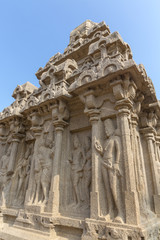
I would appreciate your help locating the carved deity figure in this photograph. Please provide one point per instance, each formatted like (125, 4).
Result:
(110, 168)
(4, 179)
(76, 162)
(22, 173)
(87, 166)
(45, 159)
(36, 185)
(43, 172)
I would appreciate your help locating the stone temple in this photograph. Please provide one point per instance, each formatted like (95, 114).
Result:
(80, 155)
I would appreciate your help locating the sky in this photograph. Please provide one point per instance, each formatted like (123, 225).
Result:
(32, 31)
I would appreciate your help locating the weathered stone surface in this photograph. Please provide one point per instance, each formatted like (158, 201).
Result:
(80, 155)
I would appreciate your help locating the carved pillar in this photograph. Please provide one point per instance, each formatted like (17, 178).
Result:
(158, 149)
(59, 115)
(149, 134)
(3, 138)
(138, 161)
(124, 92)
(93, 114)
(15, 142)
(148, 123)
(157, 198)
(16, 136)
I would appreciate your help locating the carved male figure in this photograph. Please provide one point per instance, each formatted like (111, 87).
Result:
(76, 168)
(46, 154)
(42, 172)
(36, 185)
(23, 170)
(110, 169)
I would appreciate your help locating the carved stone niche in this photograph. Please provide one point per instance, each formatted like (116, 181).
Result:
(80, 172)
(80, 155)
(42, 169)
(20, 179)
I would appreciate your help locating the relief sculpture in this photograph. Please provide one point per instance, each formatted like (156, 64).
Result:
(81, 171)
(76, 162)
(4, 178)
(111, 172)
(22, 173)
(43, 172)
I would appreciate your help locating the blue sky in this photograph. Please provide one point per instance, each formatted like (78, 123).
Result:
(31, 31)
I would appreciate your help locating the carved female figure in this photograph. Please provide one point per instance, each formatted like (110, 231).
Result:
(110, 169)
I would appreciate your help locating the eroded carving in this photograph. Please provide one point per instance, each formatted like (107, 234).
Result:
(4, 178)
(76, 162)
(80, 163)
(43, 171)
(111, 172)
(21, 175)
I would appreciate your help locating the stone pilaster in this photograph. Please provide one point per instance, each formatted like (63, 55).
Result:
(148, 124)
(59, 112)
(94, 117)
(149, 135)
(15, 142)
(150, 139)
(132, 217)
(3, 138)
(15, 138)
(124, 92)
(138, 161)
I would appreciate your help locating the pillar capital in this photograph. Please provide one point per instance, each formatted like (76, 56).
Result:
(123, 87)
(124, 106)
(148, 119)
(148, 132)
(93, 114)
(59, 125)
(134, 119)
(37, 130)
(60, 112)
(35, 119)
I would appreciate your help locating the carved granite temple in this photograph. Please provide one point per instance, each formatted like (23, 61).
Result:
(80, 155)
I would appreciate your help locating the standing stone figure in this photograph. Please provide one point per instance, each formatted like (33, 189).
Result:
(22, 172)
(4, 179)
(46, 154)
(111, 173)
(43, 172)
(87, 169)
(76, 162)
(36, 185)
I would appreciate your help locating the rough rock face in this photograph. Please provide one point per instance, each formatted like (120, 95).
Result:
(80, 156)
